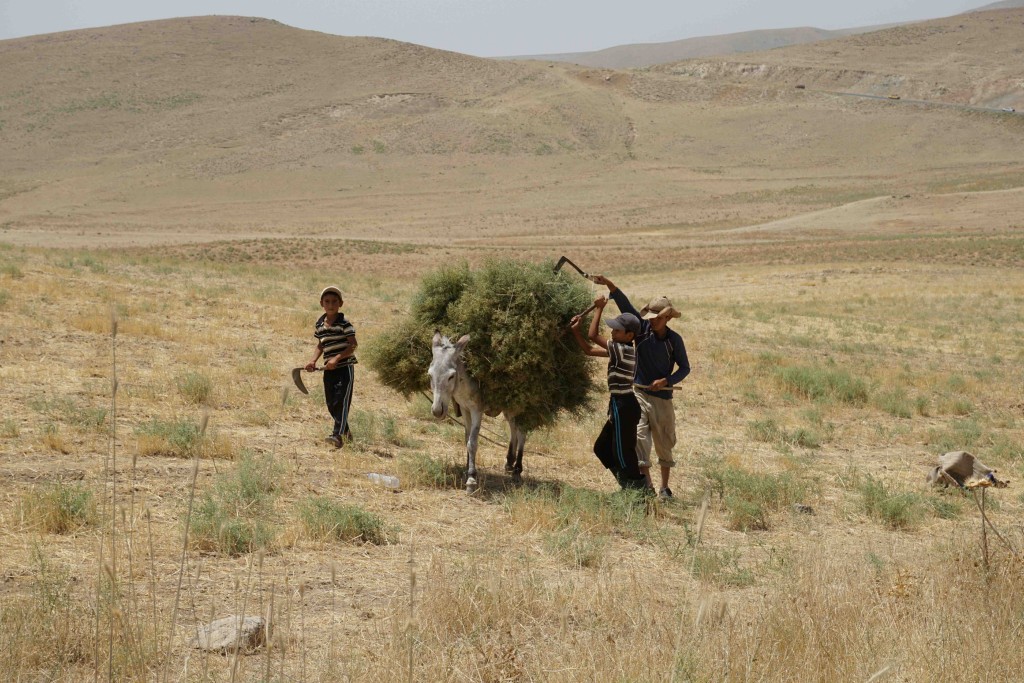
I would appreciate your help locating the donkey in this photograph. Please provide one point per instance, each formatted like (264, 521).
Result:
(450, 382)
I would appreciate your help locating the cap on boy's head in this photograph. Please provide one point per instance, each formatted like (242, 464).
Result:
(627, 322)
(331, 290)
(659, 307)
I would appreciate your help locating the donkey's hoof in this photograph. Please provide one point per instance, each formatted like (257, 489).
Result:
(471, 485)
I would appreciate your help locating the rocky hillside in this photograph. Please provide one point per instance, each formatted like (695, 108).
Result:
(975, 59)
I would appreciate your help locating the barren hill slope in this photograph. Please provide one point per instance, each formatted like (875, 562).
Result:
(196, 129)
(185, 82)
(975, 59)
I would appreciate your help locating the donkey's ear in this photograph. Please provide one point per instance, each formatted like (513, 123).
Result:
(461, 344)
(437, 339)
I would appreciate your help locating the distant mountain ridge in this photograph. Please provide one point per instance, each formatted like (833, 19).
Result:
(638, 55)
(1005, 4)
(648, 54)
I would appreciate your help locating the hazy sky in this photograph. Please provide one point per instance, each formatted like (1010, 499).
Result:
(490, 28)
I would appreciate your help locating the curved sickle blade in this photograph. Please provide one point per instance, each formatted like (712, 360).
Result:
(565, 260)
(297, 378)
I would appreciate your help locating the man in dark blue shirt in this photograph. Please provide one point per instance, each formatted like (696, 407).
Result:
(661, 363)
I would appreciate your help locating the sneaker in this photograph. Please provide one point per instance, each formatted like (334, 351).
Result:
(665, 493)
(334, 440)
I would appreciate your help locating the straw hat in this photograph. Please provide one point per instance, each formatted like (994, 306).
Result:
(659, 307)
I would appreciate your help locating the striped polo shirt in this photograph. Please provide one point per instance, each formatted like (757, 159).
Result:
(333, 339)
(621, 367)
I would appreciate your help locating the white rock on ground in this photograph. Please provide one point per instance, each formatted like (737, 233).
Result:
(224, 635)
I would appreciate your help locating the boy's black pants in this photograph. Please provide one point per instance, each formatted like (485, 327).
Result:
(616, 445)
(338, 393)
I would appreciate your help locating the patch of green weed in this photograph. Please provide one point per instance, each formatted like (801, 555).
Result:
(749, 497)
(895, 509)
(721, 567)
(235, 517)
(324, 519)
(70, 411)
(60, 508)
(195, 387)
(823, 384)
(421, 470)
(9, 429)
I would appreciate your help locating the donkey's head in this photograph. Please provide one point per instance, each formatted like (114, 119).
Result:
(444, 371)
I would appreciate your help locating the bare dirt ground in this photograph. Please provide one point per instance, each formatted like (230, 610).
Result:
(850, 275)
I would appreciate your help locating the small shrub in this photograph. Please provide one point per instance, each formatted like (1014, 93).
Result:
(895, 402)
(769, 431)
(749, 497)
(213, 529)
(371, 429)
(177, 438)
(234, 518)
(1005, 448)
(59, 508)
(256, 351)
(69, 411)
(816, 384)
(804, 437)
(944, 507)
(575, 519)
(12, 271)
(721, 567)
(324, 520)
(958, 406)
(421, 470)
(43, 632)
(53, 439)
(765, 431)
(746, 514)
(9, 429)
(196, 388)
(960, 435)
(921, 406)
(578, 547)
(94, 266)
(258, 418)
(897, 510)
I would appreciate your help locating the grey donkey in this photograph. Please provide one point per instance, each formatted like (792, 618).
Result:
(450, 383)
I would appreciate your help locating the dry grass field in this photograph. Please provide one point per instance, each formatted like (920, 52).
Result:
(851, 277)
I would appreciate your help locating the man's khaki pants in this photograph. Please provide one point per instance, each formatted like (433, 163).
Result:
(658, 426)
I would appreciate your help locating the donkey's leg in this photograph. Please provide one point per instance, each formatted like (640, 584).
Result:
(520, 444)
(514, 457)
(510, 455)
(473, 420)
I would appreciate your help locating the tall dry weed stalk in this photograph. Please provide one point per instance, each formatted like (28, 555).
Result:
(184, 554)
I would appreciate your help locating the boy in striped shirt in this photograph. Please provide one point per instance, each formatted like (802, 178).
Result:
(616, 445)
(336, 341)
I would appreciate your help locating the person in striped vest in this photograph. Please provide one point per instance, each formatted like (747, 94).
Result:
(336, 342)
(616, 445)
